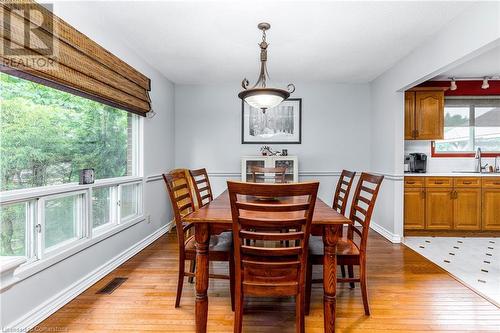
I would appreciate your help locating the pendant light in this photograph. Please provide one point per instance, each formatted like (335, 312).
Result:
(260, 96)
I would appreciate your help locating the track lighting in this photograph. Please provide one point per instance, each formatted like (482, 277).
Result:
(485, 84)
(453, 84)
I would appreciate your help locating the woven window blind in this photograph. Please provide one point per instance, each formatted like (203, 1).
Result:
(38, 45)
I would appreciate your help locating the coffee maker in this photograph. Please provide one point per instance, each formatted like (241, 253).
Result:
(418, 162)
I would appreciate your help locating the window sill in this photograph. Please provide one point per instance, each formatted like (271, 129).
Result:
(34, 267)
(7, 267)
(465, 154)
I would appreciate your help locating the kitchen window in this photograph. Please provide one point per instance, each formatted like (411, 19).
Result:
(46, 137)
(469, 124)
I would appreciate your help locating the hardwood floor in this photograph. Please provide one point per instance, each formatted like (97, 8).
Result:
(407, 293)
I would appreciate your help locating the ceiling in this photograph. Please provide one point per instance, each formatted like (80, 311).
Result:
(202, 42)
(486, 64)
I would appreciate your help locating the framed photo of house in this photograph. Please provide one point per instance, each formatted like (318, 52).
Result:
(279, 125)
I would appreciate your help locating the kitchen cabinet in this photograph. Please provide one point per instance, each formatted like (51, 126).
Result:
(414, 208)
(438, 208)
(290, 162)
(467, 209)
(452, 205)
(424, 114)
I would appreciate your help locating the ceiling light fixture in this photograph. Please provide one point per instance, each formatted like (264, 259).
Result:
(485, 84)
(453, 84)
(260, 96)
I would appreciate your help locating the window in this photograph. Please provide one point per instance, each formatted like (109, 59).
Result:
(470, 124)
(62, 220)
(46, 137)
(13, 222)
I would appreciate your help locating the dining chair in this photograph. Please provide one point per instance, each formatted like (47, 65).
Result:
(341, 197)
(259, 174)
(202, 187)
(268, 267)
(220, 248)
(351, 250)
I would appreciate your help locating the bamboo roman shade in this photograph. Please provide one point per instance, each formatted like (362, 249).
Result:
(39, 45)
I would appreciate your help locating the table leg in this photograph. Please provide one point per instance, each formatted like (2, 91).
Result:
(330, 239)
(202, 236)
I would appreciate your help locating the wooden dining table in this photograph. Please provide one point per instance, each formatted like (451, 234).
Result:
(215, 218)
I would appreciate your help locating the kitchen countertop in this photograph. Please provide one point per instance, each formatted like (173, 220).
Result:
(452, 174)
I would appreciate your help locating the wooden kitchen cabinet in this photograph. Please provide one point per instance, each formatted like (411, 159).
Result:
(491, 209)
(424, 114)
(467, 209)
(414, 208)
(439, 208)
(409, 115)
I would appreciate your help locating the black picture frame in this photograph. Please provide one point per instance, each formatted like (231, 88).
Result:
(299, 100)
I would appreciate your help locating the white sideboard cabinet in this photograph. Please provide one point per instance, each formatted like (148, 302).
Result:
(290, 162)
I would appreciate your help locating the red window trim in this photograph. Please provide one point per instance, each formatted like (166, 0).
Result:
(464, 154)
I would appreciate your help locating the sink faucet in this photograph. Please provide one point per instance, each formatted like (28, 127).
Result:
(479, 165)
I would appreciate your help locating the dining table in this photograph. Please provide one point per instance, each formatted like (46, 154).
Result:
(215, 217)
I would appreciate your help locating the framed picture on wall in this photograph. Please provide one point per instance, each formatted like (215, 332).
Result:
(280, 125)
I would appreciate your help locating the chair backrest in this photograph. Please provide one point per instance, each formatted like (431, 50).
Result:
(181, 199)
(259, 173)
(362, 206)
(262, 230)
(342, 191)
(202, 187)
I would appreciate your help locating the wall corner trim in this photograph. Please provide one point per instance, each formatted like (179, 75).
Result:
(391, 237)
(47, 308)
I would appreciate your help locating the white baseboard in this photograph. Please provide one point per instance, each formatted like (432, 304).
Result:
(391, 237)
(41, 312)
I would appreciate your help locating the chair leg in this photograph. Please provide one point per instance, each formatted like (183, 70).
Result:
(300, 326)
(231, 281)
(307, 298)
(192, 269)
(238, 311)
(350, 270)
(342, 270)
(364, 292)
(180, 282)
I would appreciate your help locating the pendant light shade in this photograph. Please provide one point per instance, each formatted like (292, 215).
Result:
(260, 96)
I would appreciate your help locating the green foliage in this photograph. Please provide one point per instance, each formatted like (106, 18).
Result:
(46, 137)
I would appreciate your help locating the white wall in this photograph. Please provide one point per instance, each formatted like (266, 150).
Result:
(36, 296)
(335, 131)
(473, 32)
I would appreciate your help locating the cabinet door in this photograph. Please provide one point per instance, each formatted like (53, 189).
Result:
(467, 209)
(414, 208)
(289, 164)
(491, 209)
(429, 115)
(439, 208)
(248, 163)
(409, 115)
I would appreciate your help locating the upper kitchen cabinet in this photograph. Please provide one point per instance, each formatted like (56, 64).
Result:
(424, 114)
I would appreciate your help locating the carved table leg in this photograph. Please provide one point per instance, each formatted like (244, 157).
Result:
(202, 236)
(330, 239)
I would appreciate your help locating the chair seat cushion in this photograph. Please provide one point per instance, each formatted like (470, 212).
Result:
(218, 243)
(345, 247)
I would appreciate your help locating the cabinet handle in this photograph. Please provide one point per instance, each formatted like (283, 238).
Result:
(467, 183)
(496, 183)
(423, 194)
(410, 183)
(438, 183)
(417, 133)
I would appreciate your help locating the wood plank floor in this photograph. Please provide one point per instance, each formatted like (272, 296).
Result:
(407, 294)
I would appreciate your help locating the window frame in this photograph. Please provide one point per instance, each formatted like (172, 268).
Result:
(472, 103)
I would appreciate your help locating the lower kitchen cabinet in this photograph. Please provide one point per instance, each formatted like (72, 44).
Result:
(467, 209)
(414, 208)
(439, 208)
(491, 209)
